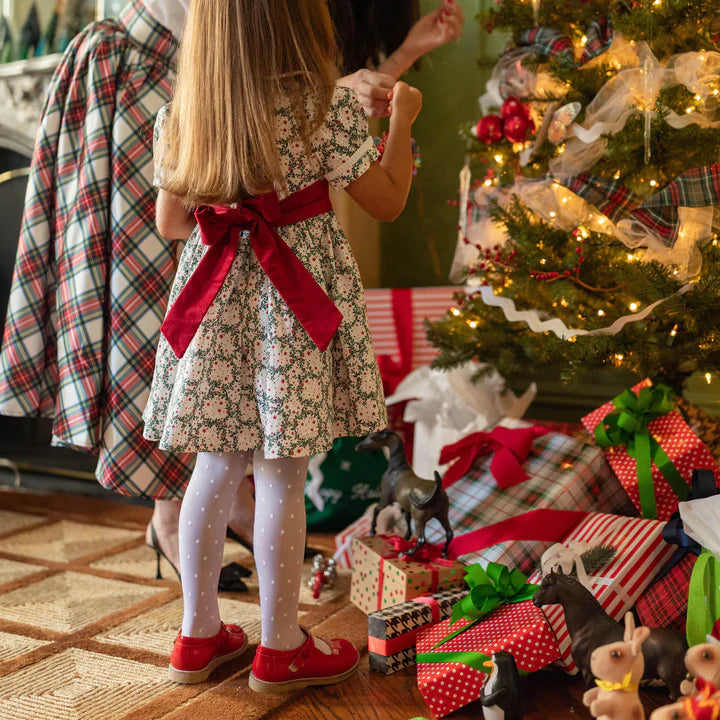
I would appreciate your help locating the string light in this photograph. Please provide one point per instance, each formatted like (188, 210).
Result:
(653, 183)
(543, 261)
(455, 311)
(708, 378)
(616, 176)
(601, 313)
(498, 159)
(488, 183)
(583, 40)
(633, 306)
(673, 332)
(472, 323)
(564, 302)
(688, 110)
(553, 214)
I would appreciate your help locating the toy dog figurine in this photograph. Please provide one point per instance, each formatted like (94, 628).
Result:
(590, 627)
(420, 499)
(500, 697)
(620, 666)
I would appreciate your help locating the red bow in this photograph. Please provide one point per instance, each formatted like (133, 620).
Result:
(511, 448)
(427, 553)
(705, 705)
(220, 228)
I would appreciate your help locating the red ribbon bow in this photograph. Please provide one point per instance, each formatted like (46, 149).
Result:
(510, 445)
(220, 228)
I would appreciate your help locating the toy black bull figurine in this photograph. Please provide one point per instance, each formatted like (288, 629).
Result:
(420, 499)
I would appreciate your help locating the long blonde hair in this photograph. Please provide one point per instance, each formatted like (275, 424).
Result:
(236, 59)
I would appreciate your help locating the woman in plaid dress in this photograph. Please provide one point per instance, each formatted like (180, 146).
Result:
(92, 274)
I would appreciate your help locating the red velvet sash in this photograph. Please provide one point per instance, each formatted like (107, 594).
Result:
(220, 228)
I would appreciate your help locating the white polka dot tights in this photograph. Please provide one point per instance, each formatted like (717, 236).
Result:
(279, 541)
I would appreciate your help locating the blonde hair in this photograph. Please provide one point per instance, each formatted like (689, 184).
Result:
(236, 59)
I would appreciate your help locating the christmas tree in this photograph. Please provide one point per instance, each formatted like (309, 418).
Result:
(588, 206)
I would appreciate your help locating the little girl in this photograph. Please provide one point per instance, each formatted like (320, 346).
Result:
(266, 355)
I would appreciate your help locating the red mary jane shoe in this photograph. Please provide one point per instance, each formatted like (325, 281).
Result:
(193, 659)
(315, 662)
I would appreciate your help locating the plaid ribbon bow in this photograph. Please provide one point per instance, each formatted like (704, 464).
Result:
(551, 42)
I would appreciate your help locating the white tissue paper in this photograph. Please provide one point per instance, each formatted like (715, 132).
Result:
(700, 522)
(447, 405)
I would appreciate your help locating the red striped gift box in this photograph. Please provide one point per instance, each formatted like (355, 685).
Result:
(388, 313)
(641, 551)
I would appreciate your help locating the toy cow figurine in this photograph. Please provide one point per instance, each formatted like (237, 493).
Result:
(620, 666)
(420, 499)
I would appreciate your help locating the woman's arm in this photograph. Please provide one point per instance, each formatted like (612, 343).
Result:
(173, 219)
(428, 33)
(383, 190)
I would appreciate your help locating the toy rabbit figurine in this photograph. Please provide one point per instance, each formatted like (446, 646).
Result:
(704, 706)
(620, 666)
(703, 666)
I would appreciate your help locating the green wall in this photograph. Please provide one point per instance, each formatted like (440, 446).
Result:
(418, 247)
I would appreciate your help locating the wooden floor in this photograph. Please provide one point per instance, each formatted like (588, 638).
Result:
(549, 695)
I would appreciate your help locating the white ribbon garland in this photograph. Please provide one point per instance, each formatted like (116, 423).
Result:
(556, 325)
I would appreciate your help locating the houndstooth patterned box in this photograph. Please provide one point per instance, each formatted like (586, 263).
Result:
(392, 631)
(564, 474)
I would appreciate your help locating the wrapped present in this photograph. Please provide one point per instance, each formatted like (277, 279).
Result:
(665, 602)
(444, 406)
(559, 473)
(650, 447)
(451, 667)
(705, 427)
(700, 519)
(383, 576)
(639, 550)
(392, 631)
(390, 521)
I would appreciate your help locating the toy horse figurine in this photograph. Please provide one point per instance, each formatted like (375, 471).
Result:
(420, 499)
(590, 627)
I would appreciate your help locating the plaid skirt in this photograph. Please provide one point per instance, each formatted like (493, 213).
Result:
(92, 277)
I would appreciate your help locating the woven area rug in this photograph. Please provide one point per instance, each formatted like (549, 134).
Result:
(85, 629)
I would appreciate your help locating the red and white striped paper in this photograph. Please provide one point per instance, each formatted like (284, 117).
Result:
(343, 540)
(431, 303)
(641, 552)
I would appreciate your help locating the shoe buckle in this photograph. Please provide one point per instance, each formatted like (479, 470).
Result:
(299, 659)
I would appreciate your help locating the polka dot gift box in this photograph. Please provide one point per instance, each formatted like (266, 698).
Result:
(650, 447)
(640, 551)
(382, 578)
(451, 676)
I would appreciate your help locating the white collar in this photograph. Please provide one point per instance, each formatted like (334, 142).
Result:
(169, 13)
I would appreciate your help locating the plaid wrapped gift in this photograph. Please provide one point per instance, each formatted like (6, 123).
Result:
(451, 676)
(705, 427)
(392, 631)
(381, 578)
(563, 474)
(640, 550)
(665, 602)
(660, 477)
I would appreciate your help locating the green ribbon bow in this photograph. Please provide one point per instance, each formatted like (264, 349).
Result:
(703, 611)
(628, 425)
(488, 590)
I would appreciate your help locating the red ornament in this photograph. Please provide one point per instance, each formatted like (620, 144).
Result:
(518, 128)
(490, 129)
(512, 107)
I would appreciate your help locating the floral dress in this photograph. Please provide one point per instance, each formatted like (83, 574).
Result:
(252, 378)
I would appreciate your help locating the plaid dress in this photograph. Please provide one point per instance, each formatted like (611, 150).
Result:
(92, 276)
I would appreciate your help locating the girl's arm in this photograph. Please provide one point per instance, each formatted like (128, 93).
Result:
(173, 219)
(383, 190)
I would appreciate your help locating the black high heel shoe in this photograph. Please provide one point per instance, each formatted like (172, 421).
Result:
(231, 575)
(232, 535)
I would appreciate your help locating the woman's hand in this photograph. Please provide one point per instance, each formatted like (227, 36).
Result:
(372, 89)
(428, 33)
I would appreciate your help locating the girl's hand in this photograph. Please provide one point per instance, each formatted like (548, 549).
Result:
(372, 89)
(434, 29)
(405, 102)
